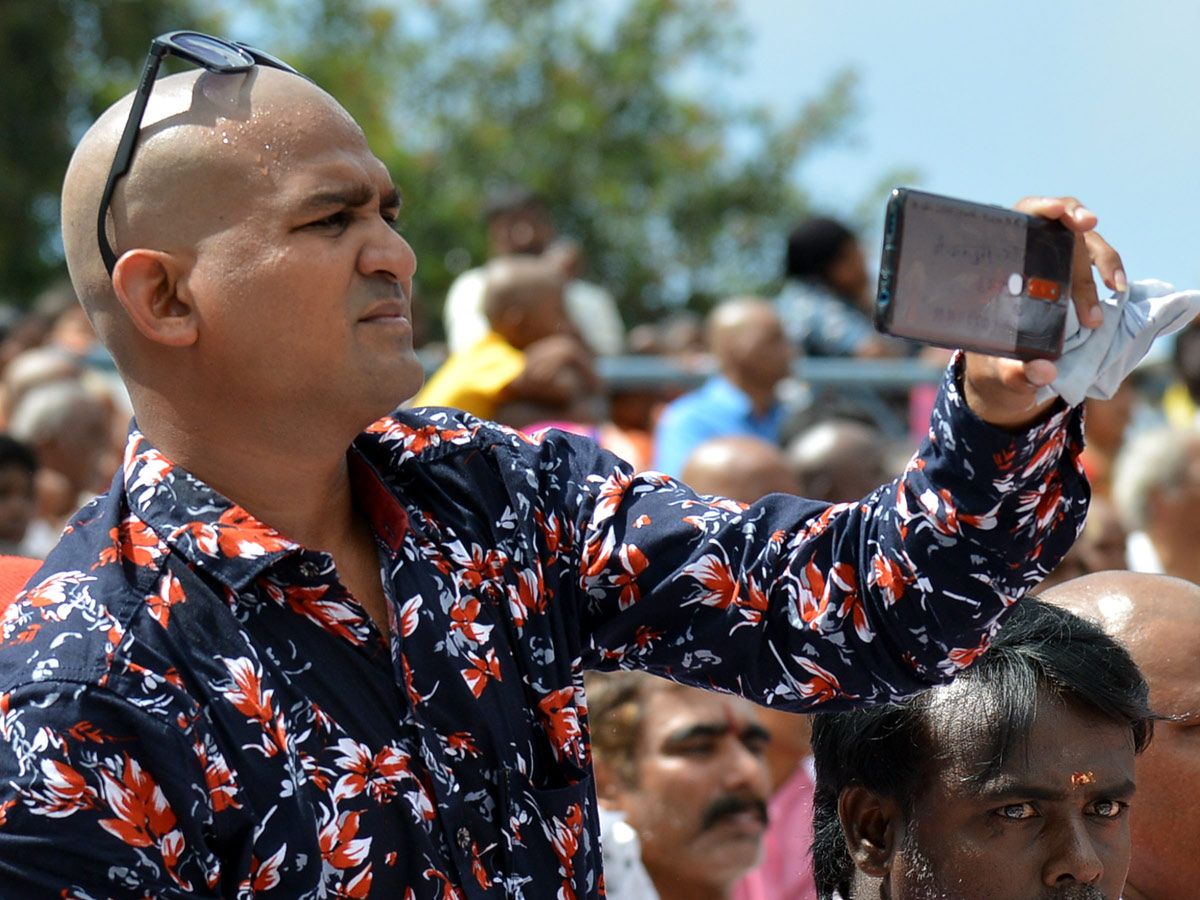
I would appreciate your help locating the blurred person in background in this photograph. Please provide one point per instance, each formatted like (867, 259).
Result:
(1105, 426)
(531, 366)
(69, 430)
(1156, 489)
(753, 357)
(1100, 546)
(683, 782)
(1157, 619)
(825, 304)
(1181, 400)
(18, 467)
(518, 223)
(840, 460)
(746, 469)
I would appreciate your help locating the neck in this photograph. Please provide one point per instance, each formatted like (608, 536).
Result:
(761, 399)
(299, 484)
(675, 887)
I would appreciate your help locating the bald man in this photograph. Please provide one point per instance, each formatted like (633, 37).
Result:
(739, 467)
(1157, 619)
(745, 337)
(300, 650)
(839, 460)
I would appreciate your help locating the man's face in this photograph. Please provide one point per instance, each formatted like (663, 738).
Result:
(1166, 828)
(699, 800)
(303, 286)
(1053, 825)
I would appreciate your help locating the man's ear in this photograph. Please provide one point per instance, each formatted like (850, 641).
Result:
(147, 284)
(608, 784)
(873, 826)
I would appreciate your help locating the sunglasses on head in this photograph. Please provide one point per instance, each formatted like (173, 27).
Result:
(214, 54)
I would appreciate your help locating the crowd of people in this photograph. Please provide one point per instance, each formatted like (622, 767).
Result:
(321, 631)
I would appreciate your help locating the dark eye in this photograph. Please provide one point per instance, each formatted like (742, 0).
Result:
(1017, 812)
(695, 748)
(337, 220)
(1108, 809)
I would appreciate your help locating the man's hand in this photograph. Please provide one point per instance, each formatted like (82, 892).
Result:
(1001, 391)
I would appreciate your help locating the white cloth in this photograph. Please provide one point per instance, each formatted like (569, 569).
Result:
(1095, 362)
(625, 878)
(1141, 555)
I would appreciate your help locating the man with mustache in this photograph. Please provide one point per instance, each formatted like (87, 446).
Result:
(1013, 782)
(683, 784)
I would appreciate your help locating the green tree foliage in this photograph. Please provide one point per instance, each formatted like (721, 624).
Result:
(677, 193)
(61, 63)
(614, 111)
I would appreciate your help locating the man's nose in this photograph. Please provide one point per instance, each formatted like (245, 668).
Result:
(742, 767)
(388, 254)
(1075, 856)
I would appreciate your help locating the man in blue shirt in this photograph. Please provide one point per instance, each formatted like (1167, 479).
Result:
(752, 354)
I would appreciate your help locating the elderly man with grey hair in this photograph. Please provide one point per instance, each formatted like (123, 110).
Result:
(1156, 488)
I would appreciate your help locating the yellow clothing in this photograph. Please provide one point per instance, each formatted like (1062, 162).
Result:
(474, 379)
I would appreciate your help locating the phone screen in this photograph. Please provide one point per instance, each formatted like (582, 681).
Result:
(968, 275)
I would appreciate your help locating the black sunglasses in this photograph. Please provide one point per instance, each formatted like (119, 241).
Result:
(214, 54)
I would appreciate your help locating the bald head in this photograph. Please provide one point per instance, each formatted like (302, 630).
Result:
(739, 467)
(523, 299)
(205, 138)
(1157, 618)
(746, 337)
(841, 460)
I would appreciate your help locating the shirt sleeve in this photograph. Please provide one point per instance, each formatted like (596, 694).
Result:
(804, 604)
(100, 800)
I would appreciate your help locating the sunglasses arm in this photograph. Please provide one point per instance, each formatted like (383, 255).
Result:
(124, 155)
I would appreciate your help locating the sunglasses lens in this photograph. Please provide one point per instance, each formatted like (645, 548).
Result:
(217, 53)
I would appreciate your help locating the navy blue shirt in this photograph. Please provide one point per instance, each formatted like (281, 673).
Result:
(192, 705)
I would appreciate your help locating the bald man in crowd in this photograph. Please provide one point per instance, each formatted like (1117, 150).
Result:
(1157, 619)
(753, 356)
(305, 647)
(839, 460)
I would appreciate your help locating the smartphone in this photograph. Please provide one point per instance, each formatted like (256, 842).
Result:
(975, 276)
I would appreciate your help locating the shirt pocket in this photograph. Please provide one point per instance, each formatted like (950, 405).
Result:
(551, 836)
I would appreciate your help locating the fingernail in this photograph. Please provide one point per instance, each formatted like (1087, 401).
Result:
(1095, 317)
(1037, 378)
(1120, 281)
(1082, 212)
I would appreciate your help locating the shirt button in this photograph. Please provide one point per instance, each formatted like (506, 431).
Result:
(464, 839)
(310, 569)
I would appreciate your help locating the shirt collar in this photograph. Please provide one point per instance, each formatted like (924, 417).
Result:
(215, 534)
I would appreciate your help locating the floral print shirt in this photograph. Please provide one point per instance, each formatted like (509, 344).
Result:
(192, 705)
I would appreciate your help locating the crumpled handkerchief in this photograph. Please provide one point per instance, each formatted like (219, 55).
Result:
(1094, 363)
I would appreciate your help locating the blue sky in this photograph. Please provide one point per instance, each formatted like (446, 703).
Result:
(992, 101)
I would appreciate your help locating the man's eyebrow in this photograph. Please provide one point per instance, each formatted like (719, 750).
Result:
(698, 730)
(1000, 789)
(352, 196)
(751, 732)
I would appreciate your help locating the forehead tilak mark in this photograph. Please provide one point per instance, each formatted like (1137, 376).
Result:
(1079, 779)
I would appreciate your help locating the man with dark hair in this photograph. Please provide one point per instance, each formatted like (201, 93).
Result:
(1013, 781)
(825, 302)
(18, 466)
